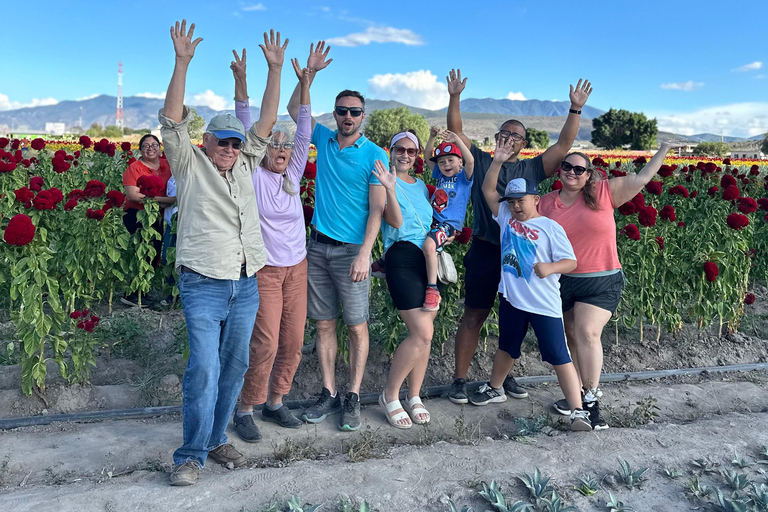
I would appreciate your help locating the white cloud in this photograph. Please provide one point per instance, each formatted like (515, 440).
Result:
(378, 35)
(417, 88)
(750, 67)
(257, 7)
(688, 86)
(737, 120)
(516, 96)
(89, 97)
(7, 104)
(212, 100)
(152, 95)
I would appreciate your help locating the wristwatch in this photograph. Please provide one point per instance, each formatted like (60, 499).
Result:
(574, 111)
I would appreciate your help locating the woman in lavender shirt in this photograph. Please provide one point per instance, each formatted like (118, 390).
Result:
(278, 333)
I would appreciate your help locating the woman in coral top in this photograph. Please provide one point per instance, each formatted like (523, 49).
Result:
(590, 294)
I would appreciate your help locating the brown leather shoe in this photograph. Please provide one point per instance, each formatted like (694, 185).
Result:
(226, 454)
(185, 474)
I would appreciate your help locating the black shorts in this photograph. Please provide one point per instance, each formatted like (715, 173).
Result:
(406, 275)
(602, 291)
(483, 273)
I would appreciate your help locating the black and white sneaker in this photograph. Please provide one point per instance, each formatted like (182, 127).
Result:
(580, 421)
(512, 389)
(324, 406)
(597, 421)
(488, 395)
(350, 413)
(561, 406)
(458, 392)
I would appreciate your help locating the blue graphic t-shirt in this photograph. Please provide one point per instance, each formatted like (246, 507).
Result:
(523, 244)
(450, 205)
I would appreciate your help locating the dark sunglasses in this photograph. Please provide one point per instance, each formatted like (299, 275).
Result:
(223, 143)
(506, 134)
(353, 111)
(578, 170)
(400, 150)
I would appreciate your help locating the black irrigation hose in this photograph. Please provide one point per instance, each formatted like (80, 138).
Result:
(366, 399)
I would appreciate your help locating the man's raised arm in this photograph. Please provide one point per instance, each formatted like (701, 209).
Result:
(455, 87)
(184, 47)
(553, 156)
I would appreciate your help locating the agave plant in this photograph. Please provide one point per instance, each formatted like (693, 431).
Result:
(740, 461)
(736, 481)
(671, 473)
(588, 485)
(493, 495)
(759, 497)
(731, 504)
(704, 466)
(537, 484)
(452, 507)
(294, 505)
(555, 504)
(614, 505)
(698, 489)
(631, 478)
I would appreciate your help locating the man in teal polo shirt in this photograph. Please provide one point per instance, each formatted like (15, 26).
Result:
(349, 203)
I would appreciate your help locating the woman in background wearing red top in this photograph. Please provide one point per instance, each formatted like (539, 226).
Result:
(147, 164)
(584, 208)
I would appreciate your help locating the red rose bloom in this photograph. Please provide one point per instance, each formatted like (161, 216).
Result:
(76, 154)
(727, 180)
(44, 201)
(737, 221)
(94, 214)
(747, 205)
(654, 187)
(763, 203)
(310, 170)
(731, 193)
(709, 168)
(60, 164)
(668, 213)
(15, 143)
(681, 224)
(18, 156)
(308, 213)
(665, 171)
(660, 241)
(115, 199)
(23, 194)
(4, 142)
(726, 161)
(627, 208)
(711, 271)
(56, 195)
(60, 153)
(37, 144)
(70, 205)
(85, 141)
(647, 216)
(694, 194)
(88, 326)
(557, 185)
(464, 236)
(679, 190)
(151, 185)
(754, 168)
(700, 165)
(95, 188)
(125, 146)
(26, 163)
(632, 231)
(7, 161)
(101, 146)
(76, 194)
(75, 315)
(749, 299)
(36, 183)
(20, 230)
(639, 200)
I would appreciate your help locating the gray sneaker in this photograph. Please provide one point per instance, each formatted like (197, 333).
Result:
(185, 474)
(487, 395)
(246, 428)
(324, 406)
(458, 392)
(512, 389)
(350, 413)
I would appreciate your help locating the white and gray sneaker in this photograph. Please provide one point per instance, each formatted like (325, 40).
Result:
(580, 421)
(488, 395)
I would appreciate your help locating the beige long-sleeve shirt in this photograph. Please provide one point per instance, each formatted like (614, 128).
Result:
(218, 220)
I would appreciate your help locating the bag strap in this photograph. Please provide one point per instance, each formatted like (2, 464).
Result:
(413, 208)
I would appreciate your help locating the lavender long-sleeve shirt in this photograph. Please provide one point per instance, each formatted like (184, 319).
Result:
(281, 214)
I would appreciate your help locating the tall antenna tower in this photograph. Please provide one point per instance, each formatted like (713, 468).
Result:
(119, 115)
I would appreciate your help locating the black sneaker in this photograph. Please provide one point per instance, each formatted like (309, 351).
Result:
(350, 413)
(597, 421)
(487, 395)
(580, 421)
(562, 407)
(458, 392)
(512, 389)
(247, 429)
(324, 406)
(282, 416)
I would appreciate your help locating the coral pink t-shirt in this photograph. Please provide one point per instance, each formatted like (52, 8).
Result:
(591, 232)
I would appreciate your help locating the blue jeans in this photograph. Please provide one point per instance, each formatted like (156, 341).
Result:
(220, 315)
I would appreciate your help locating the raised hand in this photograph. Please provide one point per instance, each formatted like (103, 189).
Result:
(455, 83)
(434, 131)
(302, 74)
(388, 178)
(318, 55)
(449, 136)
(580, 94)
(238, 66)
(273, 52)
(504, 149)
(183, 44)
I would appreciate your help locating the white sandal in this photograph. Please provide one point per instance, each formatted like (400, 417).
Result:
(414, 406)
(391, 407)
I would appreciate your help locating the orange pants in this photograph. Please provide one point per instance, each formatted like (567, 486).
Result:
(278, 333)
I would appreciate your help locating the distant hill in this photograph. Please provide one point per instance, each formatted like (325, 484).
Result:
(527, 108)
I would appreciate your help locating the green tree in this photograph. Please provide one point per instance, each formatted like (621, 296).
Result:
(537, 139)
(196, 125)
(383, 124)
(620, 128)
(96, 130)
(714, 149)
(764, 145)
(113, 132)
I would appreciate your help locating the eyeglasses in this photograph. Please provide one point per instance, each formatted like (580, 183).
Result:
(353, 111)
(223, 143)
(285, 145)
(578, 170)
(506, 134)
(146, 147)
(400, 150)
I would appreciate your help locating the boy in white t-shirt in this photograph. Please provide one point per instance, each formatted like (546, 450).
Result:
(534, 251)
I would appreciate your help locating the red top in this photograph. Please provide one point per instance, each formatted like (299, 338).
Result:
(592, 232)
(137, 169)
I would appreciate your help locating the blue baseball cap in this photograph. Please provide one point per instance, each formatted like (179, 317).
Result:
(226, 126)
(519, 187)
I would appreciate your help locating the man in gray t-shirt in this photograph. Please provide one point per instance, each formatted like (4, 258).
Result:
(483, 260)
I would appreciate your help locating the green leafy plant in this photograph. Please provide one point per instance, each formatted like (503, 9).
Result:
(631, 479)
(736, 481)
(704, 466)
(555, 504)
(492, 494)
(697, 489)
(671, 473)
(731, 504)
(614, 505)
(740, 461)
(587, 485)
(537, 484)
(451, 507)
(294, 505)
(759, 497)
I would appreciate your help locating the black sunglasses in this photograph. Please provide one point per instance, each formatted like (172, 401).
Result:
(506, 134)
(223, 143)
(399, 150)
(353, 111)
(578, 170)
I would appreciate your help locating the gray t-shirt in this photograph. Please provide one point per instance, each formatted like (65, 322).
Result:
(530, 168)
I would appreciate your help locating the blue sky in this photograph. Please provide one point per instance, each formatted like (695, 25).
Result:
(696, 66)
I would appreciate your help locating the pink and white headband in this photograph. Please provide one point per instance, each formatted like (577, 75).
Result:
(405, 135)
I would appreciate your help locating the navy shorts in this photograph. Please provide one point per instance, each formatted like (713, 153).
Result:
(602, 291)
(550, 333)
(482, 274)
(440, 232)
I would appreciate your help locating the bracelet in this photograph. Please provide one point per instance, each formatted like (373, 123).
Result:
(573, 111)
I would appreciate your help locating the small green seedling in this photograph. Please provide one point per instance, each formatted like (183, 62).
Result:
(537, 484)
(672, 473)
(703, 466)
(493, 495)
(294, 505)
(617, 506)
(555, 504)
(740, 461)
(452, 507)
(731, 504)
(631, 478)
(698, 489)
(759, 497)
(736, 481)
(763, 456)
(587, 485)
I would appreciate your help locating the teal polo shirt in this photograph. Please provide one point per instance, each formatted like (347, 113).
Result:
(341, 185)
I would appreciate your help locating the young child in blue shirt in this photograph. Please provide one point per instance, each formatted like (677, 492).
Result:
(449, 202)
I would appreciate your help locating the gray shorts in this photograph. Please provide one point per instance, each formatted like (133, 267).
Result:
(329, 282)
